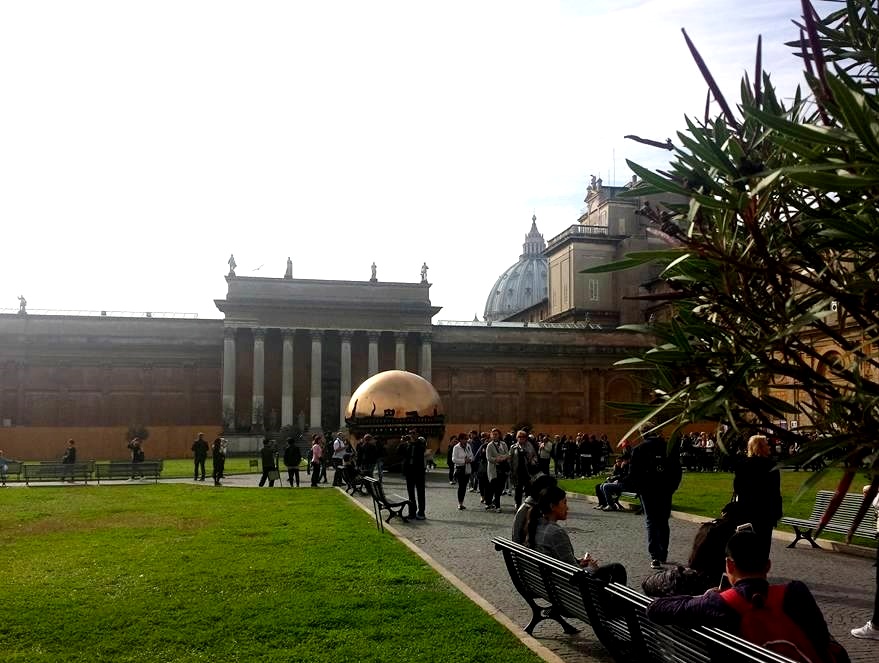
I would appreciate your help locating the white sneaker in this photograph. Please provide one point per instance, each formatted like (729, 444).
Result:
(867, 631)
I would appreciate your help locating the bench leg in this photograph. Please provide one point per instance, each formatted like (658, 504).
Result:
(807, 535)
(539, 614)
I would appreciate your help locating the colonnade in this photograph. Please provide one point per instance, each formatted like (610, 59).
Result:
(287, 369)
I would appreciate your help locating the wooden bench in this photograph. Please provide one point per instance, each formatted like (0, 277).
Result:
(353, 480)
(12, 467)
(559, 591)
(381, 502)
(57, 471)
(116, 469)
(616, 613)
(840, 523)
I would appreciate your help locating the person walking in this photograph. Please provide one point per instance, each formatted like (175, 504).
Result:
(267, 454)
(497, 467)
(199, 457)
(316, 455)
(462, 460)
(292, 459)
(218, 460)
(757, 485)
(655, 475)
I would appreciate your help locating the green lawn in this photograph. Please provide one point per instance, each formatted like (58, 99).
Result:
(181, 573)
(705, 493)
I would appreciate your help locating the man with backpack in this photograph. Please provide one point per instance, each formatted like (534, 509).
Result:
(783, 618)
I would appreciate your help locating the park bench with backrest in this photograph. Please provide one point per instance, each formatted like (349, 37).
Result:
(559, 591)
(840, 523)
(56, 471)
(120, 469)
(381, 502)
(10, 468)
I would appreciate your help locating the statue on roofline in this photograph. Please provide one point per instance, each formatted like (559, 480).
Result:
(232, 264)
(424, 269)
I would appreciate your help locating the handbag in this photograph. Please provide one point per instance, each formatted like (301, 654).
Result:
(274, 475)
(467, 468)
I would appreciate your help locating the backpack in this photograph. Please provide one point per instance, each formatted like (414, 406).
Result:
(770, 627)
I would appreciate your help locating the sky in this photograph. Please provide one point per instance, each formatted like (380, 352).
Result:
(142, 143)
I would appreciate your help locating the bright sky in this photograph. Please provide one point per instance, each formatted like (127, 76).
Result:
(143, 142)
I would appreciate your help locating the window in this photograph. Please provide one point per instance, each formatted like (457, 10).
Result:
(593, 290)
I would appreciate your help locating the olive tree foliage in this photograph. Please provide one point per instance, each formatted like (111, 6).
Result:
(775, 251)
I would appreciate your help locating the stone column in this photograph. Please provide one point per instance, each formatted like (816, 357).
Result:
(373, 353)
(601, 398)
(345, 360)
(229, 418)
(257, 416)
(314, 420)
(400, 350)
(287, 378)
(426, 357)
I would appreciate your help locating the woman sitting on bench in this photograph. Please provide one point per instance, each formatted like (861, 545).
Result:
(546, 536)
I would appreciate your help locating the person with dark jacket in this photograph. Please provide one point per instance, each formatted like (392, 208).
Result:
(655, 475)
(784, 618)
(757, 485)
(412, 450)
(218, 459)
(199, 456)
(69, 458)
(707, 562)
(267, 454)
(292, 459)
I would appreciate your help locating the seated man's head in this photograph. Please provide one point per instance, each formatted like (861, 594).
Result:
(747, 555)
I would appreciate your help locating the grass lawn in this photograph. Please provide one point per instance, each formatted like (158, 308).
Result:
(705, 493)
(185, 573)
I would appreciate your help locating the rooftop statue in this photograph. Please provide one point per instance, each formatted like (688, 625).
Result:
(289, 273)
(424, 269)
(22, 304)
(373, 278)
(232, 264)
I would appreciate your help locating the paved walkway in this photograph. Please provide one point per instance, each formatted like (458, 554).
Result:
(460, 541)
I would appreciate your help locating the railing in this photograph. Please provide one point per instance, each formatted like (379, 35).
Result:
(579, 229)
(518, 325)
(101, 314)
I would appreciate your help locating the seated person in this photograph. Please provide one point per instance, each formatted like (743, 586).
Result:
(546, 536)
(540, 483)
(784, 618)
(608, 493)
(707, 562)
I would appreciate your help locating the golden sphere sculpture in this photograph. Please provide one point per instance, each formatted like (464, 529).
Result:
(391, 404)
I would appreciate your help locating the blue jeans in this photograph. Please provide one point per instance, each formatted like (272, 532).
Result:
(657, 511)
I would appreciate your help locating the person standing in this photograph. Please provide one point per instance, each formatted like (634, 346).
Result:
(69, 458)
(545, 453)
(497, 462)
(462, 460)
(523, 464)
(292, 459)
(413, 469)
(4, 468)
(137, 457)
(267, 454)
(655, 475)
(452, 442)
(218, 460)
(317, 453)
(199, 456)
(338, 457)
(870, 630)
(757, 485)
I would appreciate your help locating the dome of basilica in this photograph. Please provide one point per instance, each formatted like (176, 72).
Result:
(522, 285)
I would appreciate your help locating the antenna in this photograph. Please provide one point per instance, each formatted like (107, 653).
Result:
(614, 180)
